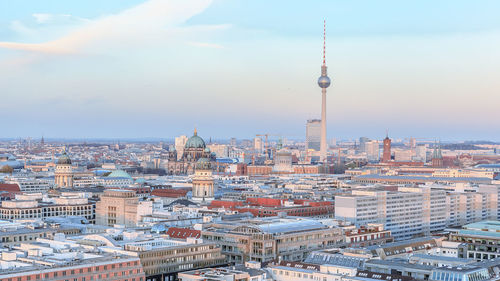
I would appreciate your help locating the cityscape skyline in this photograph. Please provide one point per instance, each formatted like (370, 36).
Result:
(233, 140)
(432, 78)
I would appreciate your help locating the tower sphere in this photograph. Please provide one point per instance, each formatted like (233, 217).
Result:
(324, 82)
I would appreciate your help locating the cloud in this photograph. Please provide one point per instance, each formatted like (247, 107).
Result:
(42, 18)
(206, 45)
(43, 48)
(149, 18)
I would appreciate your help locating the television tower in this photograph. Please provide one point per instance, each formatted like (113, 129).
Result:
(323, 82)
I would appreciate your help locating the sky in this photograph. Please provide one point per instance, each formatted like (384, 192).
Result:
(236, 68)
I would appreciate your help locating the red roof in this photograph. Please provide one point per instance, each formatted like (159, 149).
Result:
(183, 233)
(173, 193)
(9, 190)
(10, 187)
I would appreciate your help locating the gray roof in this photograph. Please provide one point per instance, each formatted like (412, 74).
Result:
(442, 258)
(335, 259)
(287, 227)
(425, 179)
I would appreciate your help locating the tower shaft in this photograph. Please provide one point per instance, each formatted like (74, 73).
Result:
(323, 144)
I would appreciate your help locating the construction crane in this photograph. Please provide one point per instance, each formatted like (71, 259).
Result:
(266, 146)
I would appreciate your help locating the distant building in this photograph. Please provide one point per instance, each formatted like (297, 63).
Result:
(362, 142)
(194, 149)
(180, 142)
(258, 145)
(437, 157)
(283, 162)
(421, 153)
(403, 155)
(372, 150)
(313, 134)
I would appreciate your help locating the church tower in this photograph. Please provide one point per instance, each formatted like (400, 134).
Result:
(203, 182)
(437, 156)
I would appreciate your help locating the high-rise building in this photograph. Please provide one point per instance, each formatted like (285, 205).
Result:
(386, 156)
(372, 150)
(406, 212)
(362, 142)
(421, 153)
(180, 142)
(257, 145)
(323, 82)
(412, 211)
(313, 134)
(412, 143)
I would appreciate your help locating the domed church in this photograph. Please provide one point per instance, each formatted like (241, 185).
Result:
(203, 182)
(194, 150)
(63, 175)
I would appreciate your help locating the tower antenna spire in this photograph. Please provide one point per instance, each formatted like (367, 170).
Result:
(324, 42)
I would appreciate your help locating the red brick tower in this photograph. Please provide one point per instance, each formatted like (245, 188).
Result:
(386, 156)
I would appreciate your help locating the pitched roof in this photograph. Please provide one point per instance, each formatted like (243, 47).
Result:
(183, 233)
(9, 187)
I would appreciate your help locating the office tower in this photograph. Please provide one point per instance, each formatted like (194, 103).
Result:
(180, 142)
(372, 150)
(421, 153)
(406, 212)
(313, 134)
(362, 142)
(257, 145)
(412, 143)
(323, 82)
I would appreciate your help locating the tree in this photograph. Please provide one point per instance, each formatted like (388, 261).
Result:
(6, 169)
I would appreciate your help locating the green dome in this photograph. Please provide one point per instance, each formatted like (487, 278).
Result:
(203, 164)
(119, 174)
(64, 159)
(195, 141)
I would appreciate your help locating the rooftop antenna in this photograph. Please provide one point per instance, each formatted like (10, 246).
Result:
(324, 42)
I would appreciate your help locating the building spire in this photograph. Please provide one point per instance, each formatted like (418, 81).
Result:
(195, 131)
(324, 42)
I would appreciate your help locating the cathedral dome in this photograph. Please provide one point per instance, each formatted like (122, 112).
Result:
(64, 159)
(203, 164)
(195, 141)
